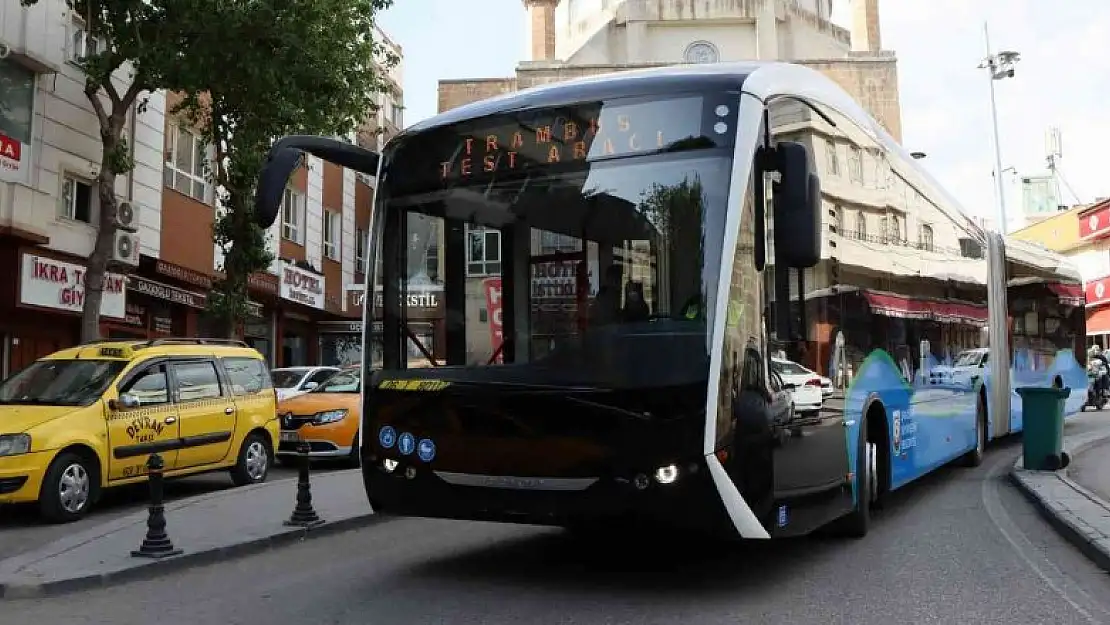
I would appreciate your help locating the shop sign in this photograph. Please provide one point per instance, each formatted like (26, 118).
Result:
(1097, 291)
(136, 315)
(303, 287)
(158, 290)
(492, 287)
(60, 285)
(421, 302)
(185, 275)
(15, 159)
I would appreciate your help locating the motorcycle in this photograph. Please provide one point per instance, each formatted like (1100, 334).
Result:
(1098, 389)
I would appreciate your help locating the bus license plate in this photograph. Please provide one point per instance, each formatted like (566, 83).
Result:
(290, 437)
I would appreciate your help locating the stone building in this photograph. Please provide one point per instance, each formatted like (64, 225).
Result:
(575, 38)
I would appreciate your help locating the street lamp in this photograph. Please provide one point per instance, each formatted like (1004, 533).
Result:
(998, 66)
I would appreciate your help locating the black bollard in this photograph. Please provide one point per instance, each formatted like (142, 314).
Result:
(303, 514)
(157, 543)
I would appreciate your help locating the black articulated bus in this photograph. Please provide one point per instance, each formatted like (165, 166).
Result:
(718, 298)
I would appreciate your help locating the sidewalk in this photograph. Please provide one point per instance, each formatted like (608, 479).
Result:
(208, 528)
(1076, 499)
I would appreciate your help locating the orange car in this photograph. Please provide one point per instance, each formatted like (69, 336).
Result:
(333, 408)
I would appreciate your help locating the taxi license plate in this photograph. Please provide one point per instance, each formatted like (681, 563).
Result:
(290, 437)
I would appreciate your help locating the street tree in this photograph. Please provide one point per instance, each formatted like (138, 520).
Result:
(141, 38)
(264, 69)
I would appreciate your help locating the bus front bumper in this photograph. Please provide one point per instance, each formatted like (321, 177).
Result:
(682, 496)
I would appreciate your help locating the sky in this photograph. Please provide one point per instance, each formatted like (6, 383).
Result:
(1062, 80)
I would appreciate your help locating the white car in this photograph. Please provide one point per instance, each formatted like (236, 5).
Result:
(805, 386)
(293, 381)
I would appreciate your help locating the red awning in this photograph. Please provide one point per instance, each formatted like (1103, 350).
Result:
(1069, 294)
(902, 307)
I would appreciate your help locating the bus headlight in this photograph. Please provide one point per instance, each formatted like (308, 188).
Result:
(667, 474)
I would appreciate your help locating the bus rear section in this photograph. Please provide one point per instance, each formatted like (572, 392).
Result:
(572, 252)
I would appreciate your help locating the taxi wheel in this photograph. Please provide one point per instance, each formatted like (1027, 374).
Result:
(68, 489)
(255, 457)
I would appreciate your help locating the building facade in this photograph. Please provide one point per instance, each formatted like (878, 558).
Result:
(301, 312)
(50, 153)
(1082, 233)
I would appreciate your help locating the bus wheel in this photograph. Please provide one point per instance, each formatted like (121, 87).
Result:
(856, 524)
(974, 457)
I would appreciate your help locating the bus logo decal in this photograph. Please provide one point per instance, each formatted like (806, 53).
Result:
(426, 450)
(387, 436)
(406, 444)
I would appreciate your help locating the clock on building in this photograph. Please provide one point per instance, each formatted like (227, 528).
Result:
(701, 52)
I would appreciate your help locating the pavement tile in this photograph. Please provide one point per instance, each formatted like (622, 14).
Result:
(207, 528)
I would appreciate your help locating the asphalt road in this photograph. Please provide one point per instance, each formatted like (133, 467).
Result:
(959, 547)
(22, 530)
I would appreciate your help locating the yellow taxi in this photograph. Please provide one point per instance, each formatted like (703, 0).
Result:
(89, 417)
(327, 417)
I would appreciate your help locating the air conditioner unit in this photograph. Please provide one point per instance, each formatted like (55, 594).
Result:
(127, 216)
(125, 248)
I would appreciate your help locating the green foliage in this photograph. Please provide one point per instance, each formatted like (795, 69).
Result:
(261, 69)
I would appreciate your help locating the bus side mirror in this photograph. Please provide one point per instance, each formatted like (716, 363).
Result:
(797, 206)
(286, 155)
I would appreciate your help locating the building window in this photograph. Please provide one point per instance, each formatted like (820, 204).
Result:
(360, 250)
(83, 44)
(861, 226)
(17, 111)
(833, 162)
(333, 230)
(483, 252)
(185, 161)
(925, 238)
(839, 211)
(855, 164)
(77, 200)
(292, 217)
(396, 114)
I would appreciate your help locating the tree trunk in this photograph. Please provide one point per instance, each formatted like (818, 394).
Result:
(97, 266)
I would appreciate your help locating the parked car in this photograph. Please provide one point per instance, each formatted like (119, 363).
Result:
(293, 381)
(803, 384)
(327, 417)
(89, 417)
(794, 373)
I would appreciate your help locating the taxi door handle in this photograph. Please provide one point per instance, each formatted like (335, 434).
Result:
(229, 410)
(171, 420)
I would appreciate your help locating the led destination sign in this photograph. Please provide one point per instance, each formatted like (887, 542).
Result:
(583, 133)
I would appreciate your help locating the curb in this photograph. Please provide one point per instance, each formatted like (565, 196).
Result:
(155, 568)
(1064, 521)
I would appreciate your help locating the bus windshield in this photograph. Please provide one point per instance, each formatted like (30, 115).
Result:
(570, 247)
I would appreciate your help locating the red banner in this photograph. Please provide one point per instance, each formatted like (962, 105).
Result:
(492, 287)
(1097, 291)
(1095, 223)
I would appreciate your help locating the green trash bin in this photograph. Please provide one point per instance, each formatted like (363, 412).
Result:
(1042, 416)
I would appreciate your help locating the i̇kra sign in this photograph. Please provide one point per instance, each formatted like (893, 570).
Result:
(60, 285)
(492, 287)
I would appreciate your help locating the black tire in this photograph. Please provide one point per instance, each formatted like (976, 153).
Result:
(858, 521)
(256, 456)
(975, 457)
(68, 466)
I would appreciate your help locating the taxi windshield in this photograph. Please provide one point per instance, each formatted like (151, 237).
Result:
(60, 382)
(342, 382)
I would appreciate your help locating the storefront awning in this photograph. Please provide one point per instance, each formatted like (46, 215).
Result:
(1098, 320)
(902, 307)
(1069, 294)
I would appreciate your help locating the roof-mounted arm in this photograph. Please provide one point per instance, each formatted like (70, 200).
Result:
(286, 155)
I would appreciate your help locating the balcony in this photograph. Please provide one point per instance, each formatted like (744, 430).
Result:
(34, 36)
